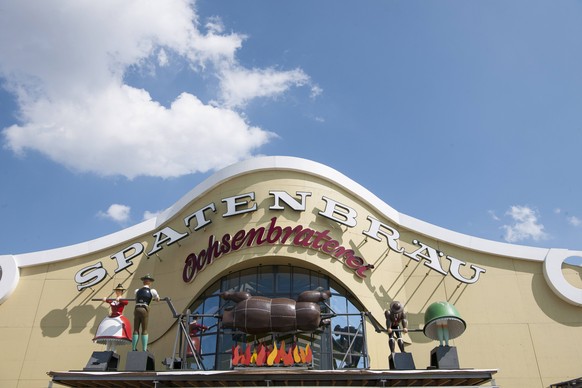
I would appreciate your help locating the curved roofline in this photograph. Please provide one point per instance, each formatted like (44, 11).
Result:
(286, 163)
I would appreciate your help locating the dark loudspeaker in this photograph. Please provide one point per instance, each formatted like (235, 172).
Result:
(140, 361)
(103, 361)
(172, 363)
(401, 361)
(444, 357)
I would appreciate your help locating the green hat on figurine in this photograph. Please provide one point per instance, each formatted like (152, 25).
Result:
(147, 277)
(442, 322)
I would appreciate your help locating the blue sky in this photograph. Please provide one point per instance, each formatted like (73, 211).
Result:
(464, 114)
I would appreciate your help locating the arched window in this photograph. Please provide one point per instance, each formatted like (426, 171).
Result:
(338, 345)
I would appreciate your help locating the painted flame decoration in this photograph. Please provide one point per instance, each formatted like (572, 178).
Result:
(274, 354)
(271, 355)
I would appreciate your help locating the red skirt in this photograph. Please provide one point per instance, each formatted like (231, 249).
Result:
(113, 329)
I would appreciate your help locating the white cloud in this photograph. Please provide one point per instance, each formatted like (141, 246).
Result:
(148, 214)
(125, 132)
(116, 212)
(238, 85)
(65, 61)
(215, 25)
(574, 221)
(315, 91)
(493, 215)
(525, 225)
(163, 58)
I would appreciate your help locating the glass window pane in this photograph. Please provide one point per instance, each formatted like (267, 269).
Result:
(333, 288)
(266, 282)
(352, 309)
(339, 324)
(348, 346)
(231, 282)
(248, 281)
(301, 282)
(209, 363)
(319, 280)
(223, 362)
(211, 305)
(196, 307)
(211, 323)
(213, 289)
(283, 281)
(338, 304)
(208, 344)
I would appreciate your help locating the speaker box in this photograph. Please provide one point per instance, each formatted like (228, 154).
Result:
(401, 361)
(140, 361)
(172, 363)
(444, 357)
(103, 361)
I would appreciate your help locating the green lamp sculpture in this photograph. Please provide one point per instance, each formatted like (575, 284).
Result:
(443, 322)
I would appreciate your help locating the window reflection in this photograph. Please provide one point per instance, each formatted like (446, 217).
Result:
(301, 282)
(248, 281)
(283, 281)
(266, 281)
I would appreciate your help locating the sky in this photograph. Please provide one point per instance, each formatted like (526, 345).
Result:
(463, 114)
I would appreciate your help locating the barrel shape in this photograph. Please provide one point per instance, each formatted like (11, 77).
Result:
(258, 315)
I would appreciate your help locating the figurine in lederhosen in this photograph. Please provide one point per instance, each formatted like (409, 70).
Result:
(143, 298)
(395, 318)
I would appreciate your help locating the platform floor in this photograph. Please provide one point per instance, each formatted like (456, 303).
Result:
(266, 377)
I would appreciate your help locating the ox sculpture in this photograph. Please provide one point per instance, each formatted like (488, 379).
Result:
(260, 315)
